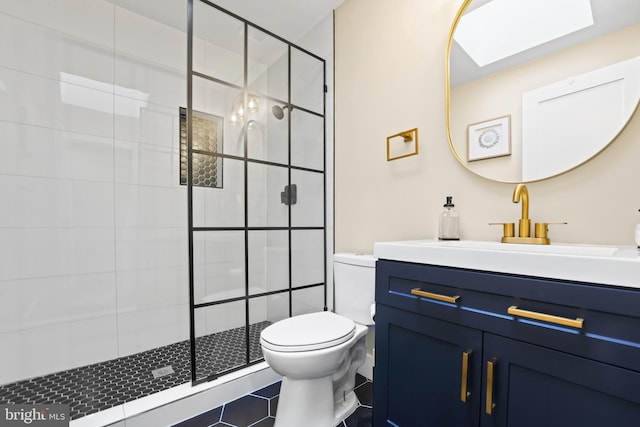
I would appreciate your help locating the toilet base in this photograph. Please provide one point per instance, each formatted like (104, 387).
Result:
(310, 403)
(345, 408)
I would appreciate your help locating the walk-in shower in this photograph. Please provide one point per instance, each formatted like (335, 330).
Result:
(148, 226)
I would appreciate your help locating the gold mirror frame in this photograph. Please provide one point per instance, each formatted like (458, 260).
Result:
(464, 164)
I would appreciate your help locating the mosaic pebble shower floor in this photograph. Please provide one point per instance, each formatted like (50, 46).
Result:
(100, 386)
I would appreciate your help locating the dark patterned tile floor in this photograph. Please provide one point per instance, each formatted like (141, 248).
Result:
(258, 409)
(100, 386)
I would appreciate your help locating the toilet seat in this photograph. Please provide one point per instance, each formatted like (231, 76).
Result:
(313, 331)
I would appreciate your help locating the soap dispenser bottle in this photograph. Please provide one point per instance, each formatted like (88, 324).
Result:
(448, 226)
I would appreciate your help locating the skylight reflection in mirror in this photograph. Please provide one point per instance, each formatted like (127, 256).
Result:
(502, 28)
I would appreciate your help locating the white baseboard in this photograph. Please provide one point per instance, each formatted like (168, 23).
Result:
(366, 370)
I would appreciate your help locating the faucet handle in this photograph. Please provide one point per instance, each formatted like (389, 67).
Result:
(541, 228)
(508, 228)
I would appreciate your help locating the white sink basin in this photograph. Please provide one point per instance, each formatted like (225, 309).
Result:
(569, 249)
(585, 263)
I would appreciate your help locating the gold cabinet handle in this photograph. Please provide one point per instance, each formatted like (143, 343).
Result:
(491, 364)
(419, 292)
(574, 323)
(464, 393)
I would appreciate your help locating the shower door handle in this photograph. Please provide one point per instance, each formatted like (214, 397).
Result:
(290, 195)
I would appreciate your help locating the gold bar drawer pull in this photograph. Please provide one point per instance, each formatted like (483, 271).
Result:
(574, 323)
(464, 385)
(491, 366)
(419, 292)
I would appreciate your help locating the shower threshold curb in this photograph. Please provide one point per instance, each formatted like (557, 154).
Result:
(182, 402)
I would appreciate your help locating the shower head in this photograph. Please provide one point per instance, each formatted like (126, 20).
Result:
(278, 111)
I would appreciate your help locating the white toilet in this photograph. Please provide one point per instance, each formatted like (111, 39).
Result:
(318, 354)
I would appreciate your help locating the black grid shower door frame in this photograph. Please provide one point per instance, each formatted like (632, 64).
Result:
(192, 230)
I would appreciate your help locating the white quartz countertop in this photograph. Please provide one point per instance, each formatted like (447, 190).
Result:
(609, 265)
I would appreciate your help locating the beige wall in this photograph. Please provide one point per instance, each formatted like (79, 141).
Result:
(389, 63)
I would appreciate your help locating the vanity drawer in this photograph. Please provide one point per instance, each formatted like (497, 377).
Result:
(599, 322)
(435, 293)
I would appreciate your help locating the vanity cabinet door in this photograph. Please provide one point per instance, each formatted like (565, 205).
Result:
(535, 386)
(419, 372)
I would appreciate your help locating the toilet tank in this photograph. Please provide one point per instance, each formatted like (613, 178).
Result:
(354, 283)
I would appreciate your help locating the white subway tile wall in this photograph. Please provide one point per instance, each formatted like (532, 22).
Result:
(93, 220)
(93, 237)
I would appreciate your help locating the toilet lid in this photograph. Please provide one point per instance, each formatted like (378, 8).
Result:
(313, 331)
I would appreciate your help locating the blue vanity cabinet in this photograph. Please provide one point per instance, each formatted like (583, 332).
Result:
(419, 371)
(535, 386)
(451, 352)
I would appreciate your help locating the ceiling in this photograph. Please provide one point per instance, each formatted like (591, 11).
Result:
(289, 19)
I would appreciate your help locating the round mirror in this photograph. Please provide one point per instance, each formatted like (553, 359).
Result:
(535, 88)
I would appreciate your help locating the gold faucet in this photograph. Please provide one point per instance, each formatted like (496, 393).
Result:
(524, 225)
(520, 193)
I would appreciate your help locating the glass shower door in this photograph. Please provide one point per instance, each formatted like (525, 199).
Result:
(257, 237)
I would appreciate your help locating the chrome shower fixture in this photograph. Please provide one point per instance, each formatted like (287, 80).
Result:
(278, 111)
